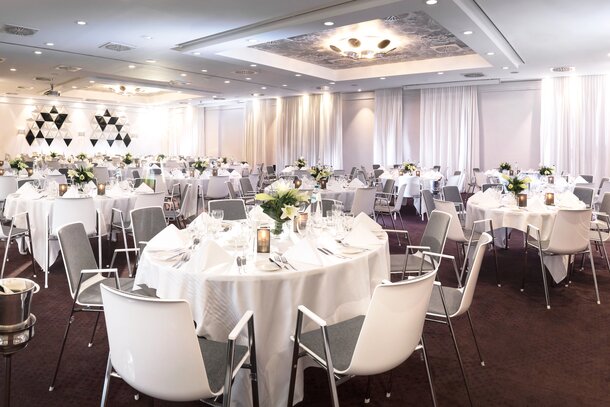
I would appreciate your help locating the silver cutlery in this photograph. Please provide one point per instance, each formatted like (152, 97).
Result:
(280, 265)
(285, 261)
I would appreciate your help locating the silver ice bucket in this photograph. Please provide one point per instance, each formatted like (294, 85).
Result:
(15, 300)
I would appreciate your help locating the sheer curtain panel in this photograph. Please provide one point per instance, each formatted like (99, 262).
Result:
(260, 131)
(449, 128)
(388, 140)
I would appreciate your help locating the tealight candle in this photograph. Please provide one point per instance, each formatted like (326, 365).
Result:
(511, 173)
(401, 172)
(263, 240)
(62, 189)
(551, 179)
(522, 200)
(215, 172)
(30, 171)
(101, 189)
(323, 182)
(549, 198)
(297, 182)
(417, 173)
(1, 163)
(1, 171)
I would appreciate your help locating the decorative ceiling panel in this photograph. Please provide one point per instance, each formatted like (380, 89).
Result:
(416, 37)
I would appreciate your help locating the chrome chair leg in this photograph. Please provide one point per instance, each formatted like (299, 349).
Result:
(428, 372)
(367, 394)
(594, 275)
(106, 382)
(97, 318)
(474, 336)
(544, 282)
(63, 345)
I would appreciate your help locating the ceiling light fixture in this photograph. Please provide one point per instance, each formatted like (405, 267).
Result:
(505, 67)
(297, 74)
(284, 85)
(248, 79)
(440, 73)
(331, 83)
(431, 2)
(490, 53)
(125, 90)
(263, 87)
(13, 69)
(49, 44)
(183, 75)
(382, 78)
(91, 81)
(151, 61)
(197, 53)
(362, 47)
(329, 23)
(359, 90)
(74, 87)
(467, 32)
(227, 81)
(253, 65)
(38, 52)
(204, 70)
(131, 66)
(81, 22)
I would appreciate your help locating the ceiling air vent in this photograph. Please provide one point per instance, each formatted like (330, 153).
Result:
(18, 30)
(392, 18)
(473, 75)
(245, 72)
(115, 46)
(446, 49)
(42, 79)
(68, 68)
(563, 69)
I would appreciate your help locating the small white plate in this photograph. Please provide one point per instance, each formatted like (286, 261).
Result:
(267, 266)
(351, 250)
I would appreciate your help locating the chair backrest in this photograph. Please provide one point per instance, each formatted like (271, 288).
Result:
(393, 325)
(63, 171)
(388, 186)
(588, 178)
(232, 194)
(162, 363)
(377, 172)
(428, 200)
(327, 205)
(436, 168)
(217, 187)
(8, 185)
(585, 195)
(146, 223)
(135, 174)
(152, 183)
(473, 275)
(452, 194)
(364, 201)
(485, 187)
(435, 233)
(101, 174)
(270, 170)
(234, 209)
(376, 167)
(21, 182)
(604, 187)
(455, 231)
(361, 176)
(457, 172)
(604, 206)
(400, 197)
(454, 180)
(481, 178)
(76, 253)
(570, 233)
(246, 186)
(72, 210)
(186, 201)
(146, 200)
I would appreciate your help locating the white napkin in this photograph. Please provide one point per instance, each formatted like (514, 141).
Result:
(154, 166)
(369, 223)
(361, 236)
(202, 220)
(27, 191)
(356, 183)
(536, 204)
(55, 172)
(289, 169)
(256, 214)
(304, 251)
(580, 180)
(72, 192)
(170, 238)
(144, 189)
(568, 200)
(209, 254)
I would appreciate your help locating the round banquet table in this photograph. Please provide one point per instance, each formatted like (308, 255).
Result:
(40, 209)
(346, 196)
(339, 290)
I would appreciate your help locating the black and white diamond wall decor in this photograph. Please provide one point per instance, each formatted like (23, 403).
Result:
(110, 127)
(48, 124)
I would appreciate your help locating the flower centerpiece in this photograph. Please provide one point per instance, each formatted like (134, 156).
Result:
(53, 155)
(224, 160)
(505, 167)
(200, 165)
(409, 167)
(516, 184)
(81, 175)
(281, 204)
(320, 172)
(18, 164)
(300, 163)
(81, 156)
(160, 157)
(544, 170)
(128, 159)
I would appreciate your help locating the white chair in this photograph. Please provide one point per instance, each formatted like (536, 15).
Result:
(172, 363)
(465, 238)
(386, 207)
(11, 233)
(217, 187)
(72, 210)
(364, 201)
(8, 185)
(447, 303)
(370, 344)
(123, 224)
(569, 237)
(234, 209)
(599, 232)
(180, 214)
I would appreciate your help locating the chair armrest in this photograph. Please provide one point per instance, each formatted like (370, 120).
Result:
(241, 324)
(418, 247)
(384, 282)
(96, 271)
(312, 315)
(444, 256)
(447, 256)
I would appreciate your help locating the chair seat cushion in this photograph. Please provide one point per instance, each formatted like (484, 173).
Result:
(215, 361)
(397, 263)
(16, 231)
(453, 297)
(92, 295)
(342, 337)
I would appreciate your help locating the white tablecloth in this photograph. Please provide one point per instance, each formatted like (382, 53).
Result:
(338, 291)
(39, 210)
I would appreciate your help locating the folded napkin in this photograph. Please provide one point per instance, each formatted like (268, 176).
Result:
(154, 166)
(55, 172)
(282, 184)
(72, 192)
(144, 189)
(536, 204)
(304, 251)
(580, 180)
(361, 236)
(256, 214)
(289, 169)
(170, 238)
(209, 254)
(369, 223)
(568, 200)
(202, 220)
(27, 191)
(356, 183)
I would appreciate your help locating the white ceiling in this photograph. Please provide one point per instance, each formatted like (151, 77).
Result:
(184, 37)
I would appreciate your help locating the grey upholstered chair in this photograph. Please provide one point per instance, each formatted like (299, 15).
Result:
(585, 194)
(234, 209)
(428, 199)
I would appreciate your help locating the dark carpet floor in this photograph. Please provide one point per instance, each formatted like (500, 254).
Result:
(534, 356)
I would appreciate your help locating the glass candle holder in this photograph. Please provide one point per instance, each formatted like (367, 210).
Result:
(551, 179)
(417, 173)
(1, 163)
(62, 188)
(511, 172)
(192, 172)
(30, 171)
(549, 198)
(263, 240)
(215, 172)
(323, 182)
(522, 200)
(300, 222)
(1, 171)
(297, 182)
(101, 189)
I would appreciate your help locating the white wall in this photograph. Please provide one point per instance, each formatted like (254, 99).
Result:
(509, 116)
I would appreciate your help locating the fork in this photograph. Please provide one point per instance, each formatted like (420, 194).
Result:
(285, 261)
(330, 253)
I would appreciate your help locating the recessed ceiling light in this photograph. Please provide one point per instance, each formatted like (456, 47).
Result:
(227, 81)
(183, 75)
(284, 85)
(329, 23)
(151, 61)
(431, 2)
(38, 52)
(49, 44)
(187, 83)
(331, 83)
(204, 70)
(253, 65)
(81, 22)
(179, 91)
(263, 87)
(359, 90)
(248, 79)
(147, 37)
(91, 81)
(505, 67)
(467, 32)
(255, 94)
(491, 53)
(297, 74)
(382, 78)
(13, 69)
(74, 87)
(131, 66)
(440, 73)
(196, 53)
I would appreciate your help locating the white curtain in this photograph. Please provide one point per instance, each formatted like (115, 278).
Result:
(388, 140)
(185, 132)
(260, 131)
(449, 128)
(575, 124)
(310, 126)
